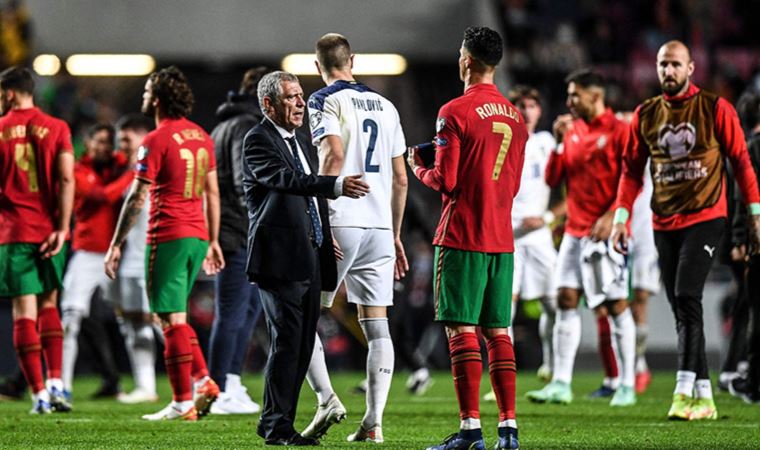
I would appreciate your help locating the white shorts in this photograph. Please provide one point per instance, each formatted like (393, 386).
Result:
(534, 271)
(603, 277)
(85, 272)
(367, 266)
(129, 294)
(645, 271)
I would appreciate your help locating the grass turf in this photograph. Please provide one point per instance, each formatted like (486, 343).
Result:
(410, 422)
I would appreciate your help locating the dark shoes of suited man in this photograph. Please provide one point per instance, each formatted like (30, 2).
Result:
(295, 440)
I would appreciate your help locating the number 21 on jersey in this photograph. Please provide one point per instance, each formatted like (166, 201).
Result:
(196, 167)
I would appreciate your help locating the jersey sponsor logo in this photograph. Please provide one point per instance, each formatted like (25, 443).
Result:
(709, 250)
(677, 140)
(439, 124)
(318, 132)
(315, 118)
(142, 153)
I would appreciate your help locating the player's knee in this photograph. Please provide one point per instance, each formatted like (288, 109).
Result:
(143, 335)
(567, 299)
(71, 322)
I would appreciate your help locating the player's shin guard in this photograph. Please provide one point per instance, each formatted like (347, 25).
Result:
(200, 369)
(567, 338)
(606, 350)
(625, 336)
(380, 359)
(503, 371)
(26, 340)
(51, 337)
(178, 356)
(467, 368)
(317, 375)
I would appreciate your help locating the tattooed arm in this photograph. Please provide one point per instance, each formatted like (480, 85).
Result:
(132, 207)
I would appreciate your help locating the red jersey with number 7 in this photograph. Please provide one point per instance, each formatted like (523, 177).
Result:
(30, 142)
(175, 158)
(480, 147)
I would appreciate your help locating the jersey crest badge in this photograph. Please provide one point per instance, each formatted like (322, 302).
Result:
(677, 140)
(315, 118)
(142, 153)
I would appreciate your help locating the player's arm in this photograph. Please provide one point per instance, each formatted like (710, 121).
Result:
(271, 170)
(214, 261)
(635, 156)
(331, 155)
(64, 163)
(398, 204)
(442, 177)
(130, 211)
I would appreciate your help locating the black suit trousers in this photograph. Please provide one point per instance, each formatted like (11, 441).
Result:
(291, 309)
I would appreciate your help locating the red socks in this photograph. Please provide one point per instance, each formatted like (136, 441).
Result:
(503, 371)
(26, 340)
(467, 368)
(51, 336)
(178, 356)
(606, 351)
(199, 362)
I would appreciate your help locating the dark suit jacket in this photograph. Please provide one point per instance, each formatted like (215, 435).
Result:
(279, 241)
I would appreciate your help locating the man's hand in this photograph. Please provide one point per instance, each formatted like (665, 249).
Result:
(214, 261)
(620, 238)
(338, 250)
(739, 253)
(53, 244)
(402, 265)
(602, 228)
(754, 235)
(412, 159)
(112, 259)
(353, 187)
(531, 223)
(561, 125)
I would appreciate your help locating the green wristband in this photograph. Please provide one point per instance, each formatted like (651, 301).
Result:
(754, 209)
(621, 216)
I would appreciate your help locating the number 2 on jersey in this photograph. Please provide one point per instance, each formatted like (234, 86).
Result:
(371, 126)
(196, 167)
(27, 162)
(506, 130)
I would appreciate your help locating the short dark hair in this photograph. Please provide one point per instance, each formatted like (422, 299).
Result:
(586, 78)
(17, 79)
(251, 80)
(333, 51)
(748, 108)
(92, 130)
(173, 92)
(137, 122)
(483, 44)
(521, 92)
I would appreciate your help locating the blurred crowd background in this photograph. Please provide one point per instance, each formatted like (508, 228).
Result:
(214, 43)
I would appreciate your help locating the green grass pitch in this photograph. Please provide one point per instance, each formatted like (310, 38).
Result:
(410, 422)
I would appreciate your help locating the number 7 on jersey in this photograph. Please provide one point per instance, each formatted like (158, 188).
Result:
(506, 130)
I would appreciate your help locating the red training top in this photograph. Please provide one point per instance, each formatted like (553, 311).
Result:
(480, 148)
(97, 198)
(590, 164)
(30, 142)
(175, 158)
(728, 133)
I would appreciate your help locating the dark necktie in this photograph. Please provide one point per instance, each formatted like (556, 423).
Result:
(316, 225)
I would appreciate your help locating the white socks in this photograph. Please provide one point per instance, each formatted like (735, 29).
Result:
(625, 338)
(380, 360)
(642, 332)
(685, 383)
(71, 321)
(141, 349)
(317, 375)
(511, 423)
(567, 337)
(232, 382)
(469, 424)
(703, 389)
(546, 331)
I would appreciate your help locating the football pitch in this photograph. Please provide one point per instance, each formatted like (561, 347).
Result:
(410, 421)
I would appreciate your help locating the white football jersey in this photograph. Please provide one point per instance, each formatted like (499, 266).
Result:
(369, 126)
(532, 199)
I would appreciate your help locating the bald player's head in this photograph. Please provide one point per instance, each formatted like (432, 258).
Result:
(674, 67)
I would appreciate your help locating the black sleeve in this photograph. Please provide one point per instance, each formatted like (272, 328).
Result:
(270, 169)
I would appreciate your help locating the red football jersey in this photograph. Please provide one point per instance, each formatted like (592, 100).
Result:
(591, 165)
(97, 199)
(175, 158)
(30, 142)
(480, 148)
